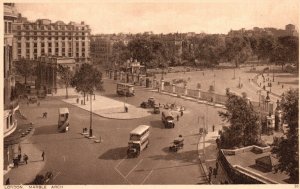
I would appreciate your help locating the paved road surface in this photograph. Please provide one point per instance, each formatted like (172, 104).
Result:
(78, 160)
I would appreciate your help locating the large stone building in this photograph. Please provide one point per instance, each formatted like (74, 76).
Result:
(10, 99)
(44, 38)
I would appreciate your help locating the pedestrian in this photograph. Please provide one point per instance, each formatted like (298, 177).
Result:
(19, 157)
(217, 166)
(43, 155)
(7, 182)
(213, 128)
(215, 172)
(25, 157)
(210, 169)
(27, 103)
(218, 142)
(19, 149)
(16, 163)
(38, 104)
(181, 113)
(177, 117)
(209, 177)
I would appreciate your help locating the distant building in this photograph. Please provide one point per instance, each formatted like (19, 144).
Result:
(44, 38)
(101, 49)
(10, 99)
(291, 30)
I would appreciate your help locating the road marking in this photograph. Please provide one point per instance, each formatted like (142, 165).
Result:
(119, 172)
(120, 162)
(56, 175)
(134, 167)
(147, 176)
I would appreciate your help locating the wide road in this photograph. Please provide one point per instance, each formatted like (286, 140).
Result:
(78, 160)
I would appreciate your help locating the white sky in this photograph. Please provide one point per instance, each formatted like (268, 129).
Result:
(214, 16)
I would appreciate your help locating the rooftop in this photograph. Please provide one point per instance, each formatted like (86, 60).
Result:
(247, 161)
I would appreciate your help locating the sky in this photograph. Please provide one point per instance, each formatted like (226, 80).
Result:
(215, 16)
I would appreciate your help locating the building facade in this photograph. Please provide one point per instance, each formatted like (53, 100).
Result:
(44, 38)
(101, 49)
(10, 99)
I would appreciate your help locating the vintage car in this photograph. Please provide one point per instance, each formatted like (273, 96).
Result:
(177, 144)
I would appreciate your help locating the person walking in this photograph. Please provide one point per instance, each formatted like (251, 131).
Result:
(213, 128)
(7, 182)
(209, 177)
(25, 157)
(181, 113)
(177, 117)
(43, 155)
(215, 172)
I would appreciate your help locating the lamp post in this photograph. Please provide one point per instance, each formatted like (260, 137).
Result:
(273, 73)
(91, 117)
(267, 103)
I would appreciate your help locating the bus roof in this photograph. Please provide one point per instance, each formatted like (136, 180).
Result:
(63, 110)
(140, 129)
(125, 84)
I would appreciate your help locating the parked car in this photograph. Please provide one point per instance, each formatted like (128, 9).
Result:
(32, 99)
(148, 104)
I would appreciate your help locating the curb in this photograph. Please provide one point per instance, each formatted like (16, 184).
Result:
(202, 160)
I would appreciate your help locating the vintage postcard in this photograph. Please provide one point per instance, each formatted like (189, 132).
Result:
(164, 93)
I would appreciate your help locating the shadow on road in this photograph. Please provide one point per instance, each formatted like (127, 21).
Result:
(46, 130)
(157, 124)
(114, 154)
(181, 156)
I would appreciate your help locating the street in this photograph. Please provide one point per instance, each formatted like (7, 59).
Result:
(75, 159)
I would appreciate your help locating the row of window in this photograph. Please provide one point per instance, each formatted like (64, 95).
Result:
(53, 33)
(49, 27)
(55, 44)
(55, 54)
(49, 38)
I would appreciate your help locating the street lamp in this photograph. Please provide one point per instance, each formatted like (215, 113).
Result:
(91, 117)
(273, 74)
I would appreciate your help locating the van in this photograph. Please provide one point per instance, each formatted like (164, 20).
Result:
(167, 119)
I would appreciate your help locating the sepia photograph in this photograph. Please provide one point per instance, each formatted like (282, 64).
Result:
(180, 93)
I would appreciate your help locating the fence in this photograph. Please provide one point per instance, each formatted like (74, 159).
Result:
(207, 96)
(220, 99)
(192, 93)
(179, 90)
(168, 89)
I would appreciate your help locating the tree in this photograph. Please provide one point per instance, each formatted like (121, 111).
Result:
(287, 150)
(120, 53)
(25, 68)
(65, 76)
(238, 49)
(210, 50)
(266, 47)
(244, 127)
(87, 80)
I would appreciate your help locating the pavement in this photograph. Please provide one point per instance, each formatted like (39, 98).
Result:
(208, 155)
(24, 173)
(103, 106)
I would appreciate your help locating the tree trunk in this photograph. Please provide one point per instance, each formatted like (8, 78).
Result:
(67, 96)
